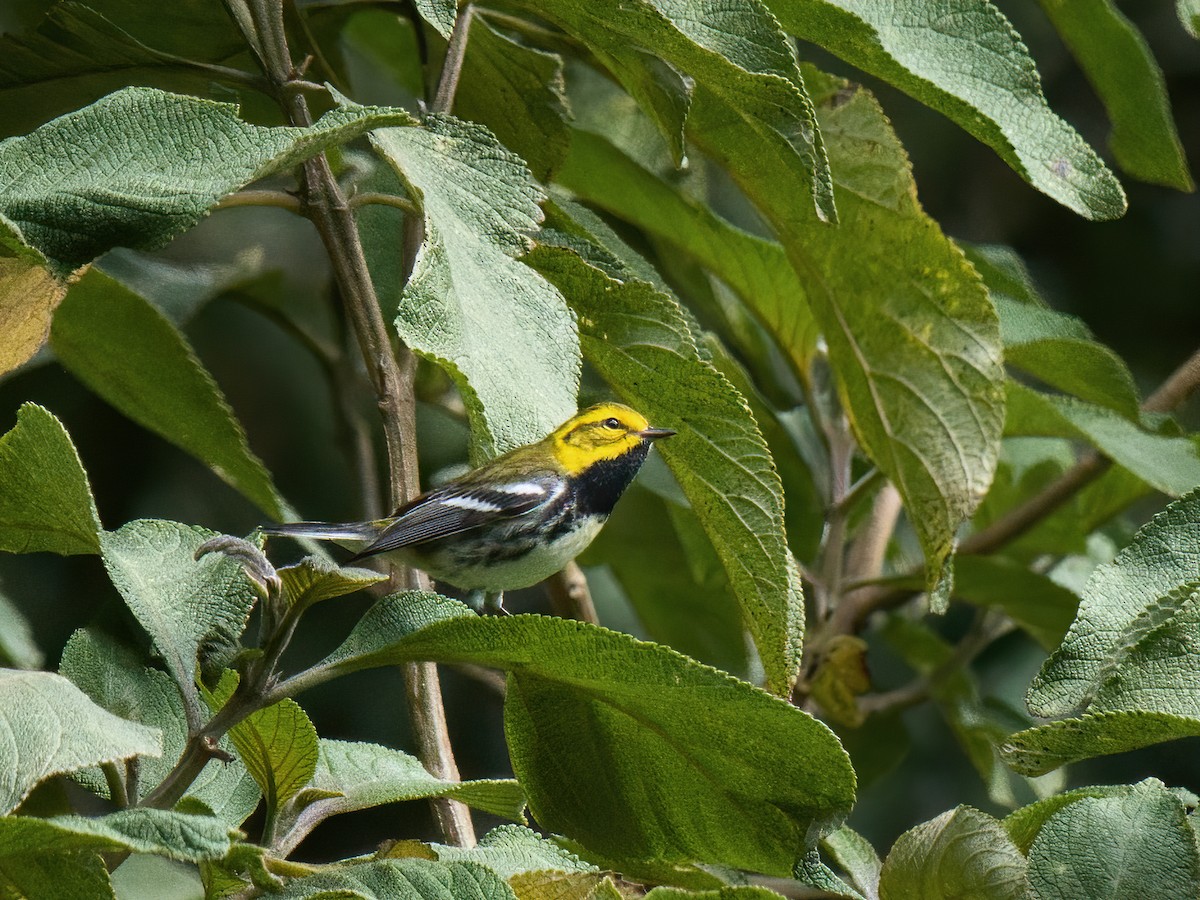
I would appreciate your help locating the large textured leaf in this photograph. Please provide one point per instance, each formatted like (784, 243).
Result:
(137, 167)
(117, 680)
(504, 334)
(402, 879)
(127, 352)
(182, 602)
(636, 752)
(755, 268)
(517, 92)
(45, 500)
(53, 728)
(1121, 67)
(511, 850)
(163, 832)
(961, 853)
(970, 65)
(1135, 843)
(637, 338)
(49, 876)
(1130, 658)
(1169, 464)
(278, 745)
(912, 338)
(735, 53)
(351, 776)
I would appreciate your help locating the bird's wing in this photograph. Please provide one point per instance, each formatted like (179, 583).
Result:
(461, 506)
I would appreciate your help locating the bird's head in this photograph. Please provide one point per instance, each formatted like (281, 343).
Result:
(601, 432)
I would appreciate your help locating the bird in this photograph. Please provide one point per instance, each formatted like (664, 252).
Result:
(517, 519)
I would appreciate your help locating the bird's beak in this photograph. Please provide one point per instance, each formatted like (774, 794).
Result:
(653, 434)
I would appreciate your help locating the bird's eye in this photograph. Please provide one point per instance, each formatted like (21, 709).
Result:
(612, 423)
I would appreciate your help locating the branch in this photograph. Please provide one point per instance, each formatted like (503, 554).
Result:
(281, 199)
(391, 374)
(569, 595)
(443, 100)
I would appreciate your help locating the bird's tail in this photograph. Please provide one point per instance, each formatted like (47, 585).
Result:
(353, 532)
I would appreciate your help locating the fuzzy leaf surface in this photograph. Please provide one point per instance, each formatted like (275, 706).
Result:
(52, 728)
(961, 853)
(117, 680)
(129, 353)
(351, 776)
(504, 334)
(45, 500)
(733, 53)
(1114, 56)
(140, 166)
(183, 603)
(913, 339)
(402, 879)
(1136, 843)
(970, 65)
(163, 832)
(638, 339)
(29, 294)
(605, 729)
(512, 850)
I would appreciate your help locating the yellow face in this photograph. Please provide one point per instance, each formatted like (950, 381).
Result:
(604, 431)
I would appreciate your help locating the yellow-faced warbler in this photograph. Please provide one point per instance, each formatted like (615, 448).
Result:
(515, 520)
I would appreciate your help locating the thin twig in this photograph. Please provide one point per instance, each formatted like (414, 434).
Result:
(391, 373)
(384, 200)
(569, 595)
(443, 100)
(281, 199)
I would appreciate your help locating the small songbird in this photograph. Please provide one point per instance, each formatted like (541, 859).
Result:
(515, 520)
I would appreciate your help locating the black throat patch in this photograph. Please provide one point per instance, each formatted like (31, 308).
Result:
(602, 484)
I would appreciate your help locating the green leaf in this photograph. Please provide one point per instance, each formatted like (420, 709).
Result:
(1129, 659)
(740, 62)
(45, 501)
(1053, 347)
(314, 579)
(1115, 58)
(56, 729)
(503, 333)
(127, 352)
(643, 548)
(732, 892)
(140, 166)
(755, 268)
(972, 67)
(353, 776)
(512, 850)
(18, 648)
(589, 712)
(518, 93)
(56, 876)
(856, 857)
(441, 14)
(29, 294)
(913, 340)
(166, 833)
(551, 885)
(278, 744)
(1169, 464)
(961, 853)
(182, 602)
(402, 879)
(638, 339)
(117, 680)
(814, 873)
(1134, 845)
(1024, 824)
